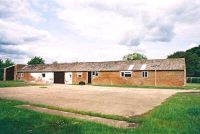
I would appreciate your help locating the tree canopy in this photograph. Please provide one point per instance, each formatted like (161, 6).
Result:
(192, 59)
(134, 56)
(3, 64)
(178, 54)
(36, 60)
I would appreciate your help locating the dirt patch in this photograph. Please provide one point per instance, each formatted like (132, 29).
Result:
(106, 100)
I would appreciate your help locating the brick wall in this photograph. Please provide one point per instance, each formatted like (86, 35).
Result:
(164, 78)
(76, 79)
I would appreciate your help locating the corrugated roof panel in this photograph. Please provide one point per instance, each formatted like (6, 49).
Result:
(143, 67)
(130, 67)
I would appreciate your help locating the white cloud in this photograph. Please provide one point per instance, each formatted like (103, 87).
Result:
(127, 22)
(92, 30)
(15, 33)
(18, 9)
(22, 42)
(18, 40)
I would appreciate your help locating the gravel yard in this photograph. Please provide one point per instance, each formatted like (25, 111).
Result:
(106, 100)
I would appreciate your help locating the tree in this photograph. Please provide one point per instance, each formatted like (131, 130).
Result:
(178, 54)
(36, 60)
(192, 59)
(4, 64)
(1, 69)
(8, 63)
(134, 56)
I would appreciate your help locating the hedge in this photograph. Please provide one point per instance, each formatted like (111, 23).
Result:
(193, 79)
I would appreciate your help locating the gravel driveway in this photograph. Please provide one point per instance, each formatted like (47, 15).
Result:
(106, 100)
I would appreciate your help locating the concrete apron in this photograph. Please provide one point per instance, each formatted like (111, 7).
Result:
(109, 122)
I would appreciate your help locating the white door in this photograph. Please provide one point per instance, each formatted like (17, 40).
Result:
(68, 78)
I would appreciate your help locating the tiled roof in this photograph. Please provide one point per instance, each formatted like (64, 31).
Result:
(158, 64)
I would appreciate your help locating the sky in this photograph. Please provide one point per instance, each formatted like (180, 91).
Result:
(96, 30)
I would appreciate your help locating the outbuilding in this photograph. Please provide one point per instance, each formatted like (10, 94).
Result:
(155, 72)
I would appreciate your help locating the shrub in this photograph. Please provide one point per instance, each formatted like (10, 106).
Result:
(193, 79)
(81, 83)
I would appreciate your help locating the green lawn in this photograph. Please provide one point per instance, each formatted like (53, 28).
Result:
(179, 114)
(15, 84)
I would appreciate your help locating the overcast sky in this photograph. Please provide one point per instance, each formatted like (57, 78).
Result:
(96, 30)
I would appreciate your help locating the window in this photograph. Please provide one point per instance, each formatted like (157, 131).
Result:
(43, 75)
(95, 73)
(126, 74)
(144, 74)
(22, 75)
(79, 74)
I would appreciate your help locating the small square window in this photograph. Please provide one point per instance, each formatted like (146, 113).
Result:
(126, 74)
(144, 74)
(122, 74)
(43, 75)
(95, 73)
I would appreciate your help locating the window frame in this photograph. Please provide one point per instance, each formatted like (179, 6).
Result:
(144, 74)
(95, 73)
(124, 73)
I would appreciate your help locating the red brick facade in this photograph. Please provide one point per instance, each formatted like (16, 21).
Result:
(162, 78)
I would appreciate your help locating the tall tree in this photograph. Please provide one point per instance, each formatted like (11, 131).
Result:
(1, 63)
(4, 64)
(8, 63)
(192, 59)
(36, 60)
(1, 69)
(178, 54)
(134, 56)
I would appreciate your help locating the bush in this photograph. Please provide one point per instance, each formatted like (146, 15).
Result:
(81, 83)
(193, 79)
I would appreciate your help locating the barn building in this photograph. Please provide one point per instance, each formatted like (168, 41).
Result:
(156, 72)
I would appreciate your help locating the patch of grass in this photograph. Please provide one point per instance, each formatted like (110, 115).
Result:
(20, 121)
(192, 86)
(179, 114)
(188, 86)
(16, 83)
